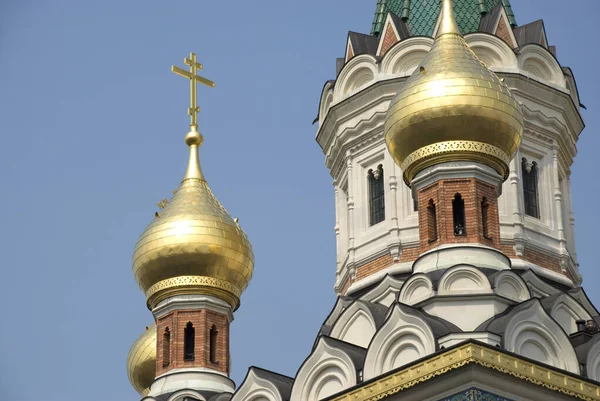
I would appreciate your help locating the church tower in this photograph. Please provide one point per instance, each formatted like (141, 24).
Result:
(192, 262)
(449, 132)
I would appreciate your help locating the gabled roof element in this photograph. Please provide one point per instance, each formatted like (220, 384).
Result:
(534, 32)
(394, 30)
(271, 386)
(359, 43)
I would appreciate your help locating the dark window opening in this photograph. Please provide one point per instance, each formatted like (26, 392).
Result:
(485, 210)
(166, 347)
(431, 222)
(188, 342)
(376, 196)
(458, 215)
(530, 190)
(213, 344)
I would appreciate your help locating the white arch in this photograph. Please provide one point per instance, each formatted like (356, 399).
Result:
(327, 370)
(509, 285)
(385, 293)
(567, 311)
(492, 50)
(255, 388)
(592, 364)
(355, 325)
(539, 62)
(181, 395)
(402, 339)
(532, 333)
(402, 58)
(416, 289)
(355, 75)
(326, 101)
(464, 279)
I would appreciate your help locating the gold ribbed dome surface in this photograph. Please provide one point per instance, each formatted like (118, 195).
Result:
(141, 361)
(194, 246)
(452, 108)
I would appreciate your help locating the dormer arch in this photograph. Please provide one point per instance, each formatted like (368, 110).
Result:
(509, 285)
(464, 279)
(356, 74)
(326, 100)
(492, 50)
(358, 323)
(403, 338)
(256, 387)
(417, 288)
(532, 333)
(567, 311)
(402, 58)
(541, 64)
(331, 368)
(385, 293)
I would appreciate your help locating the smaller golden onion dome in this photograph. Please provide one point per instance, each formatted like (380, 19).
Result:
(193, 246)
(452, 108)
(141, 361)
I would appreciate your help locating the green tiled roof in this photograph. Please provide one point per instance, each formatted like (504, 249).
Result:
(421, 15)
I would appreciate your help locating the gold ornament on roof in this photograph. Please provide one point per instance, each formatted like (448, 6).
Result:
(141, 361)
(452, 108)
(194, 246)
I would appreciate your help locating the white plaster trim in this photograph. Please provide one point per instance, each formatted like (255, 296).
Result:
(254, 387)
(348, 318)
(520, 264)
(447, 284)
(192, 378)
(456, 338)
(181, 395)
(388, 285)
(187, 302)
(449, 255)
(456, 170)
(398, 268)
(592, 363)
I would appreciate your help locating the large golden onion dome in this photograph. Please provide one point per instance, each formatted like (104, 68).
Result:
(193, 246)
(452, 108)
(141, 361)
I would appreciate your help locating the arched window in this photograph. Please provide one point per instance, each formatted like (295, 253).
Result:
(530, 190)
(485, 210)
(431, 221)
(167, 347)
(458, 215)
(188, 342)
(213, 344)
(376, 196)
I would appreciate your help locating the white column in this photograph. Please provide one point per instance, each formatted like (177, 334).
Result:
(338, 245)
(394, 242)
(350, 205)
(571, 221)
(558, 206)
(517, 212)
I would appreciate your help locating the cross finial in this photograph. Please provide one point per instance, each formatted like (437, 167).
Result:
(194, 79)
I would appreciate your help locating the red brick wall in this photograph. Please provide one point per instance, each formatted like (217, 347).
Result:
(202, 320)
(374, 266)
(472, 192)
(503, 32)
(389, 40)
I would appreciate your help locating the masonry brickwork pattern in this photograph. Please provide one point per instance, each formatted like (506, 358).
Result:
(202, 320)
(389, 40)
(502, 31)
(473, 193)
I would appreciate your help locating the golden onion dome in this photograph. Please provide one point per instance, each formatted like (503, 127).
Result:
(141, 361)
(452, 108)
(193, 246)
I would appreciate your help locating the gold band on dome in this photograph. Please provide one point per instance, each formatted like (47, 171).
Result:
(182, 285)
(452, 151)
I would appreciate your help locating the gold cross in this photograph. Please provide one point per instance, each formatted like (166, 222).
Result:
(194, 79)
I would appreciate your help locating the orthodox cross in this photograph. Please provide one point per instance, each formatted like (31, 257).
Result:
(194, 79)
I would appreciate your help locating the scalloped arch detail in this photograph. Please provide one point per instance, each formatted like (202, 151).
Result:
(538, 62)
(416, 289)
(464, 279)
(355, 325)
(402, 58)
(492, 50)
(509, 285)
(355, 75)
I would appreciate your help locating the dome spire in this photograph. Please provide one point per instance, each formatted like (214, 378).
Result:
(193, 139)
(447, 21)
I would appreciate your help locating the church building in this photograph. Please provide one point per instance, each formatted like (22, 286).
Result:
(449, 132)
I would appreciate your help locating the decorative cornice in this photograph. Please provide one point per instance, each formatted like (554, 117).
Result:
(476, 353)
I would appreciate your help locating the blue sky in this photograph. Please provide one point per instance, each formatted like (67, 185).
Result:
(92, 125)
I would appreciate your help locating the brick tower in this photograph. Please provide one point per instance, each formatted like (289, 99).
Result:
(193, 261)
